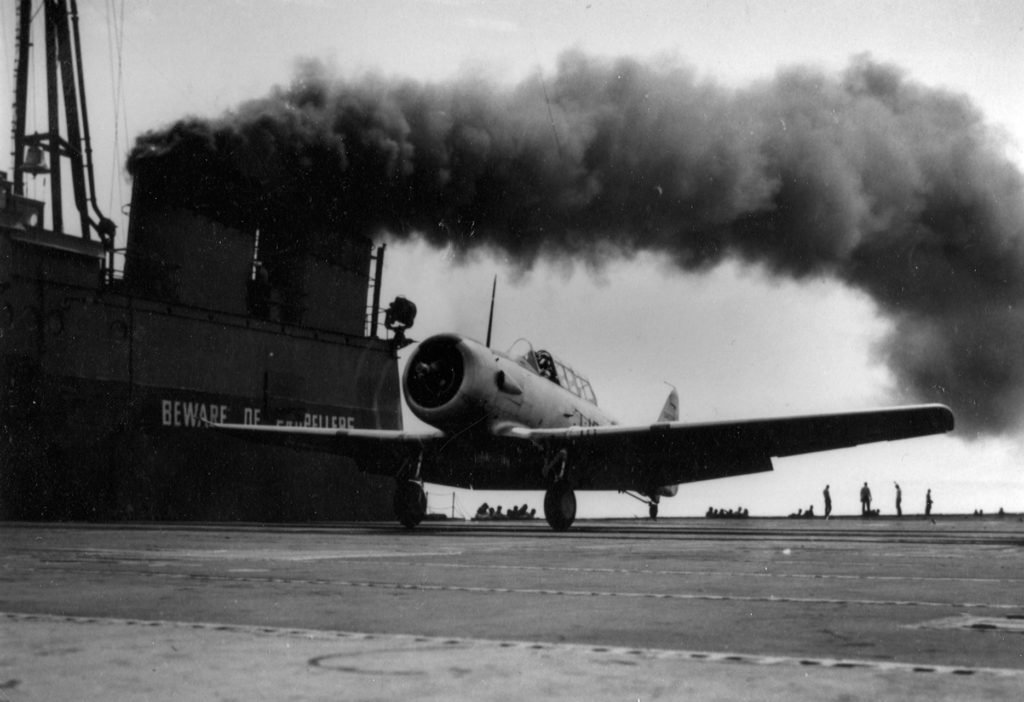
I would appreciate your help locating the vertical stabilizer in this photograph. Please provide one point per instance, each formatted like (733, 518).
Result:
(670, 412)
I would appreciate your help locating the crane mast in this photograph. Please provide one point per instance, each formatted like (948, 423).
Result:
(65, 86)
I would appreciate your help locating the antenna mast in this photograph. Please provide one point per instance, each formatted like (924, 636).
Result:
(490, 317)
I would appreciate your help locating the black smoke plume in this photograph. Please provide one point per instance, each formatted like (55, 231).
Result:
(897, 189)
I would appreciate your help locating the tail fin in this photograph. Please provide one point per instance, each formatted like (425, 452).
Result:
(670, 412)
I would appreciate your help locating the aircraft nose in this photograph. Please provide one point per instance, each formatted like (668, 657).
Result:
(437, 370)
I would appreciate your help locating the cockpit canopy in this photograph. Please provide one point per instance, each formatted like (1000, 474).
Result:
(545, 365)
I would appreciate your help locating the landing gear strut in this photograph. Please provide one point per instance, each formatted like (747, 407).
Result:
(560, 506)
(410, 502)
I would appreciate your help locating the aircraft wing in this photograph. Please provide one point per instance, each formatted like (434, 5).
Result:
(382, 451)
(668, 453)
(617, 457)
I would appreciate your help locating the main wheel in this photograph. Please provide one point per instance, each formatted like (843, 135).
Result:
(560, 506)
(654, 510)
(410, 503)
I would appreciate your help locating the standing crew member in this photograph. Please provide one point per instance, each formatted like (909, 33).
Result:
(865, 500)
(899, 500)
(828, 502)
(928, 503)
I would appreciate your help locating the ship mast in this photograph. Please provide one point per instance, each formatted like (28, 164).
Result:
(65, 85)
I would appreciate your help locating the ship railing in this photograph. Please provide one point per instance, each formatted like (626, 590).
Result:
(113, 267)
(155, 278)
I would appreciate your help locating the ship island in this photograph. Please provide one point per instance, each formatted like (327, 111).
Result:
(116, 353)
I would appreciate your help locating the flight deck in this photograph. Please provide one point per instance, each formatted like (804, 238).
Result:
(619, 610)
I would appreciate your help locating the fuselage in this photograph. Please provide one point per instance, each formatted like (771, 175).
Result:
(455, 384)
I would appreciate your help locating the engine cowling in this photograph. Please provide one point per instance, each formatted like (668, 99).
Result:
(435, 373)
(443, 383)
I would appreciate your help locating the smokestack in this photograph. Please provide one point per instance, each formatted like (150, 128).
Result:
(892, 187)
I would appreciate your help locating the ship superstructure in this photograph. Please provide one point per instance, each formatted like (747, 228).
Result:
(113, 358)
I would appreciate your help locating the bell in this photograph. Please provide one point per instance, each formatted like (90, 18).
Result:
(35, 161)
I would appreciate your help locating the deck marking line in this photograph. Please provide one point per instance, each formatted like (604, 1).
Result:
(679, 596)
(466, 642)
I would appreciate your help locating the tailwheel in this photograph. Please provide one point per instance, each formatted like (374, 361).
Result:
(410, 503)
(560, 506)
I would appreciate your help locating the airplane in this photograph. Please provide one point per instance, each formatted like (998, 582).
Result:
(523, 420)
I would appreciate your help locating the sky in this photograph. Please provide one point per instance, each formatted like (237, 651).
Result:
(736, 341)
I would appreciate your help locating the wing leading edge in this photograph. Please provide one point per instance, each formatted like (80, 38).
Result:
(381, 451)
